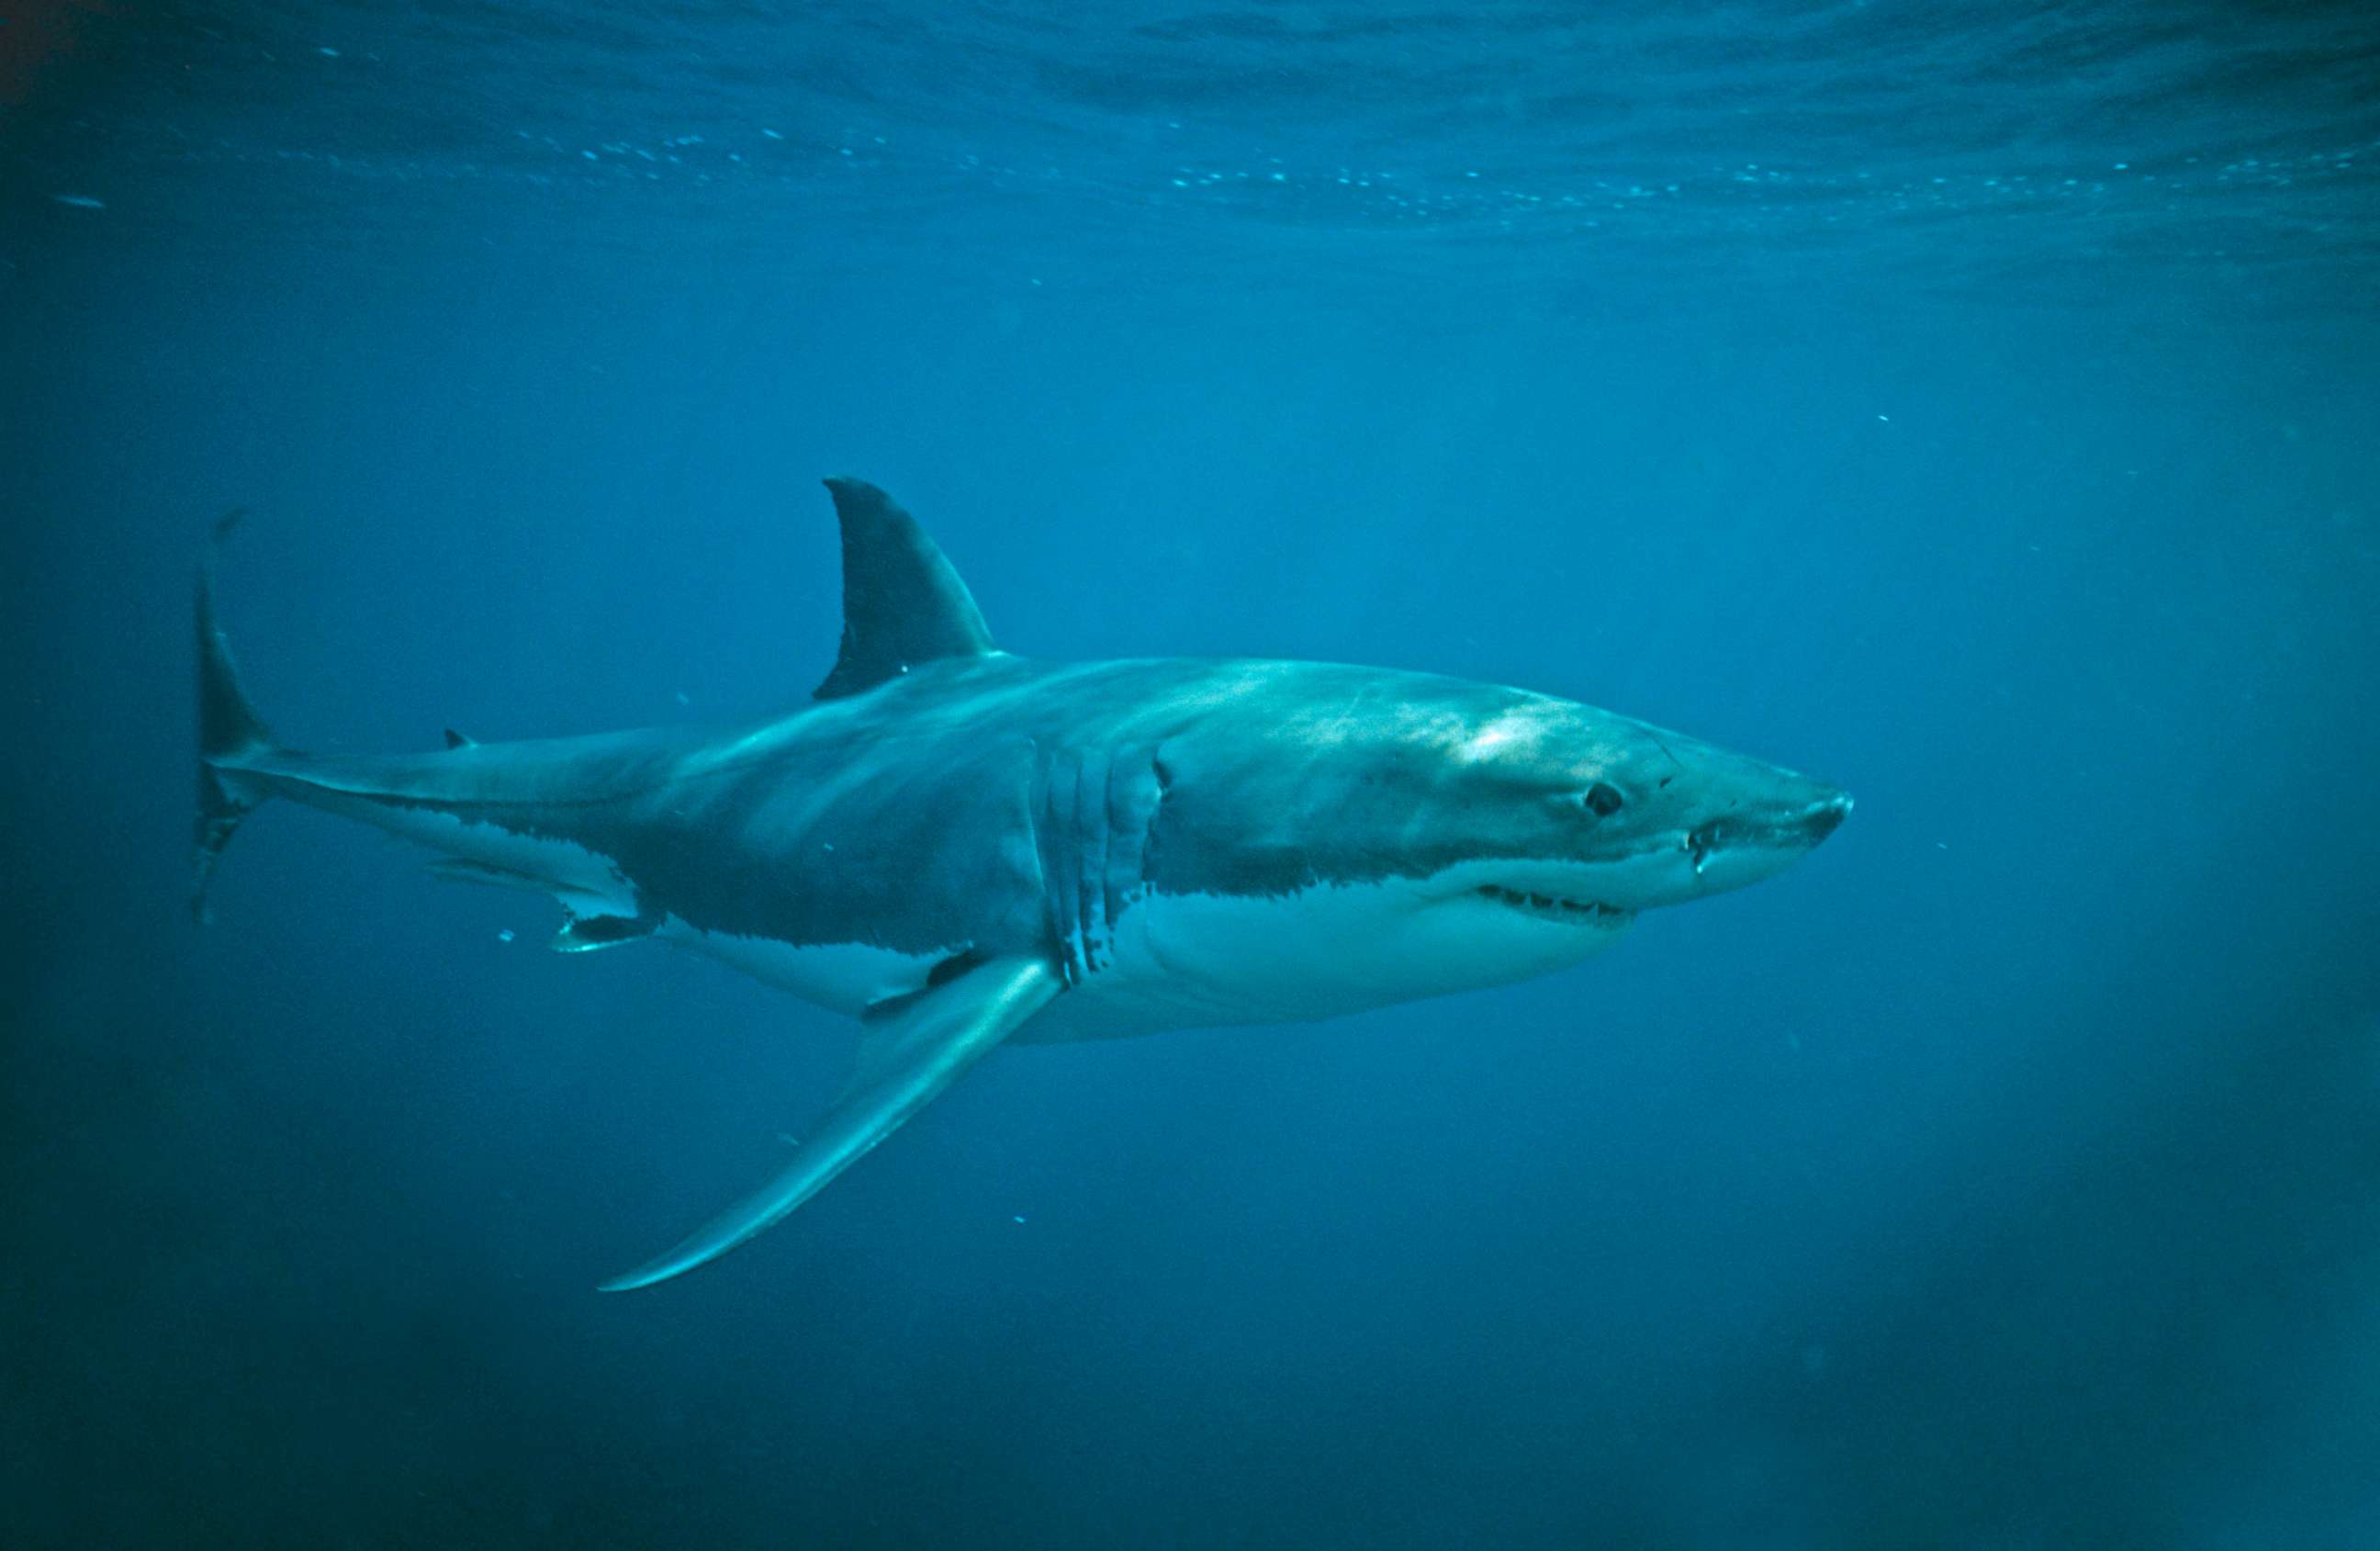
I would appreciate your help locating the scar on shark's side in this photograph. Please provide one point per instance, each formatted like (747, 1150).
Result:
(959, 847)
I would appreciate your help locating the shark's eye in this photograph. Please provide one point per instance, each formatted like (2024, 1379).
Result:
(1603, 799)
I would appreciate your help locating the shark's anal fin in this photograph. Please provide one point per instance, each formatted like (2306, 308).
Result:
(925, 1045)
(903, 603)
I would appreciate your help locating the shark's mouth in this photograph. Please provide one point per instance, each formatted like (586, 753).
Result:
(1553, 908)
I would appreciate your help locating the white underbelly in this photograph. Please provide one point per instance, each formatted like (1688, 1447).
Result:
(587, 883)
(844, 976)
(1203, 960)
(1177, 960)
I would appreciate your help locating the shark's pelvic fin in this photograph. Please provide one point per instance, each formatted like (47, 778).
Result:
(925, 1047)
(584, 934)
(903, 603)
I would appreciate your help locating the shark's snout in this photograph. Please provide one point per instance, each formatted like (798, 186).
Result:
(1795, 827)
(1760, 839)
(1826, 815)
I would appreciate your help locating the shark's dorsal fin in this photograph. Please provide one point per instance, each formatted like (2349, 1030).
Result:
(460, 740)
(903, 605)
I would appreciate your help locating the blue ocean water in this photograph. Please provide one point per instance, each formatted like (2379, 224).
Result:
(1973, 405)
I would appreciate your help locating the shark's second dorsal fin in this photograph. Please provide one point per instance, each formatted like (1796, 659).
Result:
(903, 605)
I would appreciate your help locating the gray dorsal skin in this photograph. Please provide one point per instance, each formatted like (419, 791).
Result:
(961, 847)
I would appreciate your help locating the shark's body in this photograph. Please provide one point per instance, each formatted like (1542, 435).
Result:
(960, 846)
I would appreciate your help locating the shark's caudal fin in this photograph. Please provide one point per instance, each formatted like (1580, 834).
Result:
(903, 603)
(908, 1058)
(229, 732)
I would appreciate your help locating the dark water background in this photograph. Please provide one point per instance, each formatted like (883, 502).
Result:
(1973, 405)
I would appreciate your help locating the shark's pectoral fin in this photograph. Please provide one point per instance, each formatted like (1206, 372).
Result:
(920, 1050)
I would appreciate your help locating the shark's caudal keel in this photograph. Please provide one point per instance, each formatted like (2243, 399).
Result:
(960, 847)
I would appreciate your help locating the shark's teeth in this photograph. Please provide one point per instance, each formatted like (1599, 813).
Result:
(1552, 905)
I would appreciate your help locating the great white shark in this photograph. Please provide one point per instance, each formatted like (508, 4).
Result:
(960, 847)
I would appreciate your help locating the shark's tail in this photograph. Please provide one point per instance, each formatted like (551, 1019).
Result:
(230, 734)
